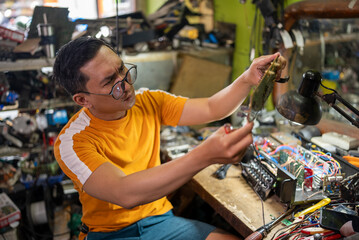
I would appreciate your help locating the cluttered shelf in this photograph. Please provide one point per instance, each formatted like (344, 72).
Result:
(38, 63)
(40, 105)
(26, 64)
(339, 38)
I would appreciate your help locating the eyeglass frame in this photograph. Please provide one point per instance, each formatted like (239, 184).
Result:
(118, 82)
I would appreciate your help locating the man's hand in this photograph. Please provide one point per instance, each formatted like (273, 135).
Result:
(222, 147)
(254, 74)
(347, 229)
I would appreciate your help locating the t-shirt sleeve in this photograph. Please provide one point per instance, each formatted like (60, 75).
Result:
(172, 109)
(77, 159)
(169, 106)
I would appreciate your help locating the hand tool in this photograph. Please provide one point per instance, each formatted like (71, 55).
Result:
(221, 173)
(264, 230)
(311, 209)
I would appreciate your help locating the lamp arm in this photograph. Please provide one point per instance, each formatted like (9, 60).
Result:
(330, 100)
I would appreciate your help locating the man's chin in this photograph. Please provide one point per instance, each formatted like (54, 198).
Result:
(130, 100)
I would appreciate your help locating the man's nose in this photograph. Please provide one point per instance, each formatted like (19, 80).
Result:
(125, 85)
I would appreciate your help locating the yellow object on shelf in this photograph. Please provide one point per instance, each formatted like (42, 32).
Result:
(329, 84)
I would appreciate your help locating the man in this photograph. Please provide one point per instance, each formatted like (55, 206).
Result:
(110, 148)
(350, 228)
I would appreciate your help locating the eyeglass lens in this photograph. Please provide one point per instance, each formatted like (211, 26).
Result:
(119, 87)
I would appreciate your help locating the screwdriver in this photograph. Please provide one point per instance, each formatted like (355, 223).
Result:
(264, 230)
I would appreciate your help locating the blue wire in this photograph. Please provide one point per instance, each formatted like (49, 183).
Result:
(311, 176)
(287, 148)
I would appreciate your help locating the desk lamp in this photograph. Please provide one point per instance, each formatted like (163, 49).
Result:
(302, 106)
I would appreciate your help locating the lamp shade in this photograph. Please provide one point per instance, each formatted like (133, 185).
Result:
(302, 106)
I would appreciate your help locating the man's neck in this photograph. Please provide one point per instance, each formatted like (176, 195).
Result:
(109, 117)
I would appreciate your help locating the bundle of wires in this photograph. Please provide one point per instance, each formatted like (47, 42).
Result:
(295, 230)
(323, 164)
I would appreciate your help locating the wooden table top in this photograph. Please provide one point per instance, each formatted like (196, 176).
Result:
(235, 200)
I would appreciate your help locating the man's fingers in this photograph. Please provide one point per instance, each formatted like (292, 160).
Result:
(282, 62)
(244, 143)
(237, 150)
(235, 134)
(238, 140)
(267, 59)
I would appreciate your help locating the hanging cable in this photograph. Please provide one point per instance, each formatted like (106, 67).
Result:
(117, 30)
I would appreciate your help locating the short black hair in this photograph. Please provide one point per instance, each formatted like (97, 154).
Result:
(70, 58)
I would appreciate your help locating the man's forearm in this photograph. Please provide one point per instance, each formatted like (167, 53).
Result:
(154, 183)
(149, 185)
(145, 186)
(226, 101)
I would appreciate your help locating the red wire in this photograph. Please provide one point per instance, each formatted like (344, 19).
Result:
(301, 228)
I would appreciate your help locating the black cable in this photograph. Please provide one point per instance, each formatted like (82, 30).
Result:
(117, 30)
(327, 88)
(297, 237)
(287, 236)
(336, 204)
(3, 237)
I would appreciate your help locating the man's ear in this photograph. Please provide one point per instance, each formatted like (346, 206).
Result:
(81, 99)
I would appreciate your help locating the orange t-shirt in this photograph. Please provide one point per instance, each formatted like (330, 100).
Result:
(131, 143)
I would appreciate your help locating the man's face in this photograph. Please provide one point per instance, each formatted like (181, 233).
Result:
(103, 71)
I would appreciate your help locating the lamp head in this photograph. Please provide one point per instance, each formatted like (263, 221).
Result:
(302, 106)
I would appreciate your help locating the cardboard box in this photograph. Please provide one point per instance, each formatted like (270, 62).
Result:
(9, 212)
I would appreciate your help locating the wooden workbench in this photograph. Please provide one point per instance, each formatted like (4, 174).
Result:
(235, 200)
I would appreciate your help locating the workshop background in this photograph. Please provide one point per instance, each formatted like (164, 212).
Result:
(192, 48)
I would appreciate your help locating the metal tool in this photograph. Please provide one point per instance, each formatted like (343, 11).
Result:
(264, 230)
(221, 173)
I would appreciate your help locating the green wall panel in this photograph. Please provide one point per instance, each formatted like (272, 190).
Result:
(153, 5)
(232, 11)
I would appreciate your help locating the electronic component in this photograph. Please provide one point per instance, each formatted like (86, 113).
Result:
(9, 212)
(331, 185)
(174, 152)
(286, 186)
(323, 144)
(343, 141)
(286, 138)
(176, 142)
(313, 160)
(258, 177)
(299, 172)
(296, 166)
(349, 188)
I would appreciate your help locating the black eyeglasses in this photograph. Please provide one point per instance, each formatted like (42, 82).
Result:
(119, 87)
